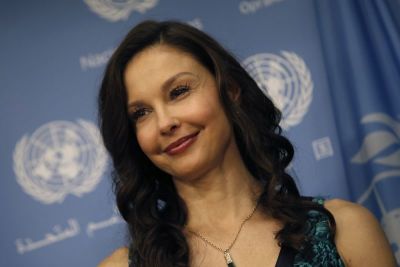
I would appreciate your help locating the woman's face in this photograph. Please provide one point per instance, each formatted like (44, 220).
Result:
(174, 104)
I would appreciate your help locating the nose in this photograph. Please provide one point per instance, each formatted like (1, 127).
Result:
(167, 122)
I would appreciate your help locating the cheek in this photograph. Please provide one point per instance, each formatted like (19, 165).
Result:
(201, 115)
(202, 109)
(212, 114)
(146, 140)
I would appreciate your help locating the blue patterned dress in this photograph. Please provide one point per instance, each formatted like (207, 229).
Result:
(320, 251)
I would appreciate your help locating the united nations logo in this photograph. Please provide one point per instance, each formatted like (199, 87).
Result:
(114, 10)
(381, 148)
(58, 159)
(286, 80)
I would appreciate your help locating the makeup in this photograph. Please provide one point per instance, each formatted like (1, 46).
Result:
(181, 144)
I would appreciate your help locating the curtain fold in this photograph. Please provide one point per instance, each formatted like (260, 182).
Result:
(360, 41)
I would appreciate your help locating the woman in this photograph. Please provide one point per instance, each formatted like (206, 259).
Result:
(200, 165)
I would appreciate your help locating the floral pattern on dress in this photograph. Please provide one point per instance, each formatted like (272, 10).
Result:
(321, 250)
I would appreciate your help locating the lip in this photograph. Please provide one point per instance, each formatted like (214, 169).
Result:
(181, 144)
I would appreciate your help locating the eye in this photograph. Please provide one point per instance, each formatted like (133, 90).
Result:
(138, 114)
(178, 91)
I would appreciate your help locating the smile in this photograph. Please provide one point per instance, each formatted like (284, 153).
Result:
(181, 144)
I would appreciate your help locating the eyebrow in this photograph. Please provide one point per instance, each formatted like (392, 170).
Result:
(164, 86)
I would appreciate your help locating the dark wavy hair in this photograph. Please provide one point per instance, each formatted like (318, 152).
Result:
(140, 187)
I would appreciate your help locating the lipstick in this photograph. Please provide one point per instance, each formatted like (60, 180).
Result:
(181, 144)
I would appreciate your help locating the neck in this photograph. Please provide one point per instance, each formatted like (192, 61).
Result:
(221, 197)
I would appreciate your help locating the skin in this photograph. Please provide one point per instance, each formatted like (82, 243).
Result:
(172, 95)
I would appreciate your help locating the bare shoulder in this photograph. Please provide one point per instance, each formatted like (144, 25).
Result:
(342, 209)
(359, 237)
(119, 258)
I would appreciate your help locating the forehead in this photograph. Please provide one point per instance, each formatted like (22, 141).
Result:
(157, 64)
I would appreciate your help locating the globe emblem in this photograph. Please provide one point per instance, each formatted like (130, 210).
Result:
(381, 147)
(59, 158)
(115, 10)
(286, 80)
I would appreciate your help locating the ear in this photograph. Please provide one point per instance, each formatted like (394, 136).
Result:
(234, 94)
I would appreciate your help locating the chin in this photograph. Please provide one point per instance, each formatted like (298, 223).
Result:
(186, 174)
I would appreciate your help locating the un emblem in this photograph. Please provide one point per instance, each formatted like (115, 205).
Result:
(58, 159)
(381, 148)
(115, 10)
(286, 80)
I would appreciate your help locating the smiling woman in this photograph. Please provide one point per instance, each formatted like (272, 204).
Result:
(200, 165)
(179, 121)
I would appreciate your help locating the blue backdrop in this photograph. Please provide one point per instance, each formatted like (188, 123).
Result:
(333, 67)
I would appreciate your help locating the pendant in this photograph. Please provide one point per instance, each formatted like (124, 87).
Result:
(228, 259)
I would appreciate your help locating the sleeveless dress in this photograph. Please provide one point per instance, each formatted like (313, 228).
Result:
(319, 252)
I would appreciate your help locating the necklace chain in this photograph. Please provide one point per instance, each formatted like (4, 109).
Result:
(234, 240)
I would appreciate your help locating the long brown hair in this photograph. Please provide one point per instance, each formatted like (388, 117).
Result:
(146, 196)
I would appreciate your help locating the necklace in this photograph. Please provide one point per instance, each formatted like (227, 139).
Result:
(226, 251)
